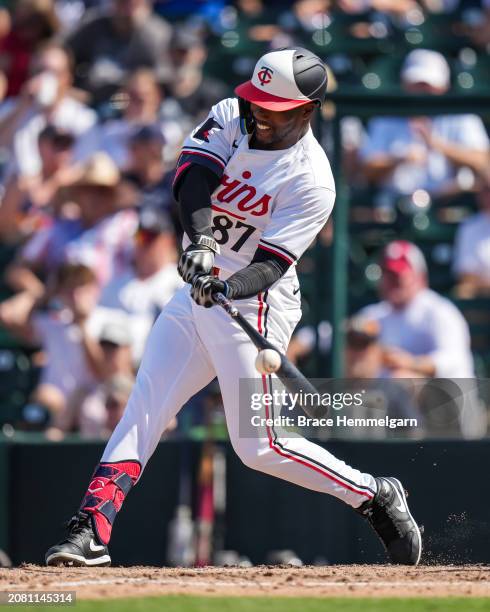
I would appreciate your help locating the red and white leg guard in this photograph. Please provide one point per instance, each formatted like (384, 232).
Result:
(110, 484)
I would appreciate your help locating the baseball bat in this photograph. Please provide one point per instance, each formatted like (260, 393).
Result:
(289, 375)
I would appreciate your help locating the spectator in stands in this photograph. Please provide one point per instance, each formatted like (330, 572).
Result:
(68, 333)
(101, 413)
(93, 413)
(117, 391)
(396, 8)
(364, 370)
(422, 333)
(28, 204)
(191, 88)
(304, 341)
(71, 12)
(152, 280)
(476, 24)
(114, 43)
(44, 98)
(142, 98)
(472, 249)
(99, 237)
(402, 155)
(33, 22)
(306, 16)
(147, 173)
(363, 351)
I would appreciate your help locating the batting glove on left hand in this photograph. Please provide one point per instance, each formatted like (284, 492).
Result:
(195, 260)
(198, 258)
(205, 287)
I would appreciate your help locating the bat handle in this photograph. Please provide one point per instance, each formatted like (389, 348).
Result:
(225, 303)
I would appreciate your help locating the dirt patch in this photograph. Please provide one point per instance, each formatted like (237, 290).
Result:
(330, 581)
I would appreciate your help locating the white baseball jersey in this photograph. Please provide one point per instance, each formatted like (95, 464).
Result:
(272, 200)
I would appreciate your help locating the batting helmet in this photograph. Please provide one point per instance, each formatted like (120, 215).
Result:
(285, 79)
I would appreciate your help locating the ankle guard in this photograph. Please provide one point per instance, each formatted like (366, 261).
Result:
(110, 484)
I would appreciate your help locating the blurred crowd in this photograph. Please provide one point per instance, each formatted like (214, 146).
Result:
(96, 98)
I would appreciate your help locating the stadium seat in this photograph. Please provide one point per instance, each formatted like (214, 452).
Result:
(435, 31)
(18, 378)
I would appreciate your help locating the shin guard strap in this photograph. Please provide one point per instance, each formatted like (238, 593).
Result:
(108, 509)
(105, 507)
(124, 482)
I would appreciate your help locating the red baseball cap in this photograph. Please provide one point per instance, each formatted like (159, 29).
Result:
(401, 256)
(285, 79)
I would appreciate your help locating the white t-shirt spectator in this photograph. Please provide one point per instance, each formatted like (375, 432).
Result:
(70, 115)
(141, 300)
(393, 135)
(472, 247)
(430, 325)
(92, 414)
(67, 368)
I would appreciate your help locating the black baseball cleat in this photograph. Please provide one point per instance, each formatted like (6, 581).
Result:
(81, 547)
(390, 517)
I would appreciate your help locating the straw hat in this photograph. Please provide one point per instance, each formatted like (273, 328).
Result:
(98, 171)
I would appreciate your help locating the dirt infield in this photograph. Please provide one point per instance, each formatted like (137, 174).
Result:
(333, 581)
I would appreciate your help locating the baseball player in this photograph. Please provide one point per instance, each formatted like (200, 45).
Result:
(254, 188)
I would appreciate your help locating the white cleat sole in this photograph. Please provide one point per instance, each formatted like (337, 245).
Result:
(70, 559)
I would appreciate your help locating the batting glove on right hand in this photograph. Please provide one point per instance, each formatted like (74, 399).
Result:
(198, 258)
(204, 289)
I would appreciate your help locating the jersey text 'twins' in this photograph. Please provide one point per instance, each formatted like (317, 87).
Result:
(247, 195)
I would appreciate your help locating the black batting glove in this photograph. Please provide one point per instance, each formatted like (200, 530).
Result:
(198, 258)
(205, 287)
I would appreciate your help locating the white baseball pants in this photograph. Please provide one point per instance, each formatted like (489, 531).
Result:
(188, 346)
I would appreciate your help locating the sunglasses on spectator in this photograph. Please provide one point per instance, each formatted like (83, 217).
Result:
(62, 143)
(144, 237)
(60, 139)
(107, 344)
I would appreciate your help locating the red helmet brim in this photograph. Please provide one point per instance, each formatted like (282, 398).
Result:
(249, 92)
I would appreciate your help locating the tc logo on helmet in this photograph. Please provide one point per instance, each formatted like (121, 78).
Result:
(265, 75)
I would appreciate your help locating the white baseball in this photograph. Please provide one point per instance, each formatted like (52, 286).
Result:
(267, 361)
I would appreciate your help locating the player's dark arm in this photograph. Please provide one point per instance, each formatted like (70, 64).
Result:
(192, 189)
(262, 272)
(193, 193)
